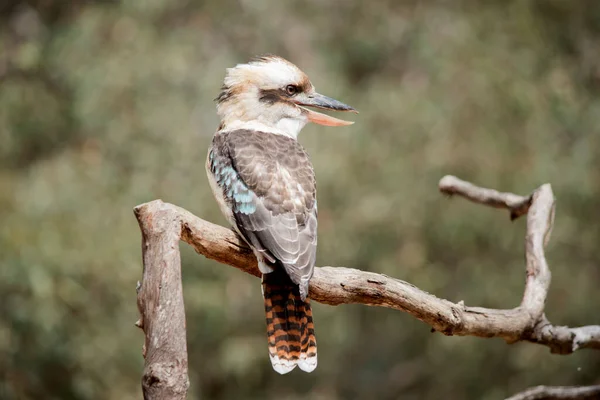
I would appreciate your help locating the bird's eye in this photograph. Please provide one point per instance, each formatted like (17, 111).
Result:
(291, 90)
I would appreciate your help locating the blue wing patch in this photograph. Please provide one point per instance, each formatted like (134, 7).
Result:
(234, 189)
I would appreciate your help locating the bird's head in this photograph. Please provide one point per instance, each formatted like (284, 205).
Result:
(272, 92)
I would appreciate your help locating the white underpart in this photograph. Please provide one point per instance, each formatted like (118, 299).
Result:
(283, 366)
(285, 127)
(291, 126)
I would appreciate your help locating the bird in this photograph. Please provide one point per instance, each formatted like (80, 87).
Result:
(264, 183)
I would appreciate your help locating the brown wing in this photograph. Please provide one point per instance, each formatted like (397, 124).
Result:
(270, 182)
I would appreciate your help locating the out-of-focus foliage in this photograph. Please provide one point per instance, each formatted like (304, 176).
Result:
(108, 104)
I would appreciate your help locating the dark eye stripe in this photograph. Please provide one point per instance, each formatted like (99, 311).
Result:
(271, 96)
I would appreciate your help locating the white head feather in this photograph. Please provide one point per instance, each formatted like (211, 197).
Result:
(240, 106)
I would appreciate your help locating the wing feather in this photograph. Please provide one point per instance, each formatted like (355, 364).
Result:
(273, 197)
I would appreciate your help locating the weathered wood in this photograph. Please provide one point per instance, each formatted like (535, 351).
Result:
(161, 302)
(559, 393)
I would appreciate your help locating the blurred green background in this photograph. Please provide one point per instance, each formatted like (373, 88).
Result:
(108, 104)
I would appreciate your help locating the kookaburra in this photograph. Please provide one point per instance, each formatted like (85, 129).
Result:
(265, 185)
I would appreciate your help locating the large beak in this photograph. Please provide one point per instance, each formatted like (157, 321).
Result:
(317, 100)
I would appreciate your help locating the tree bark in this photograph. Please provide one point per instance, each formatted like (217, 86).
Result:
(160, 301)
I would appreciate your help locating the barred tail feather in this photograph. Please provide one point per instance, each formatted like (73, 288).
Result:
(290, 328)
(308, 350)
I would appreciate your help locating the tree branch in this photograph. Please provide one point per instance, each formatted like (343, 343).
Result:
(160, 302)
(338, 285)
(559, 393)
(517, 205)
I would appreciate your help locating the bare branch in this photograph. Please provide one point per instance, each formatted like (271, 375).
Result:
(160, 301)
(559, 393)
(565, 340)
(517, 205)
(338, 285)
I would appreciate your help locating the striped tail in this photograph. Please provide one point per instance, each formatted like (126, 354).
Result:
(290, 328)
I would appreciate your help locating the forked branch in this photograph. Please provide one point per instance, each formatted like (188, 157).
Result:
(164, 224)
